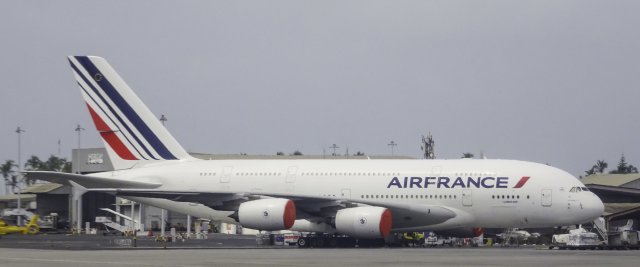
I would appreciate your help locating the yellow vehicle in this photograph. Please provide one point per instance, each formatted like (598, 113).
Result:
(413, 239)
(31, 228)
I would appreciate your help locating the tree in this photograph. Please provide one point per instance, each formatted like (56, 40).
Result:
(280, 153)
(360, 153)
(53, 163)
(34, 164)
(591, 171)
(467, 155)
(8, 173)
(297, 153)
(624, 167)
(56, 164)
(600, 166)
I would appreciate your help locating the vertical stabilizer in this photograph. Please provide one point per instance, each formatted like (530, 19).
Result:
(130, 131)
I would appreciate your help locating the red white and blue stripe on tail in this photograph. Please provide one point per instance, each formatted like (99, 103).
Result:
(125, 123)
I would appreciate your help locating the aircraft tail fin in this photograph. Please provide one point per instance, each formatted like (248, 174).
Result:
(130, 131)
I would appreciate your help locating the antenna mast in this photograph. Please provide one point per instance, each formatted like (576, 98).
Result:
(427, 147)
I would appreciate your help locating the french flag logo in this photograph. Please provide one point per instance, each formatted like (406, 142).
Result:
(522, 181)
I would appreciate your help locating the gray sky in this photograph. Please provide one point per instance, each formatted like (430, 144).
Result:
(555, 82)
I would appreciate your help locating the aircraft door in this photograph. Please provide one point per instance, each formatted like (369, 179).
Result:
(290, 179)
(467, 197)
(226, 174)
(291, 174)
(545, 199)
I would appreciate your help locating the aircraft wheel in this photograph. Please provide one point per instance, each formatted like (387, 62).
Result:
(303, 242)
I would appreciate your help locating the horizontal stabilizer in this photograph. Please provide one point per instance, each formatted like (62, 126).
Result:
(88, 181)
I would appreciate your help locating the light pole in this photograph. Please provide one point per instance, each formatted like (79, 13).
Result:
(334, 147)
(79, 130)
(392, 144)
(19, 131)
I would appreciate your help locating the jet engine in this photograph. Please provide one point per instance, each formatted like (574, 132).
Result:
(267, 214)
(364, 222)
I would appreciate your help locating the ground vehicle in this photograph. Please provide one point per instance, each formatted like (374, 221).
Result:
(431, 240)
(291, 239)
(31, 228)
(575, 239)
(412, 239)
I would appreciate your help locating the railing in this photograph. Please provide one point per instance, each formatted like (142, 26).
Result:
(113, 225)
(601, 226)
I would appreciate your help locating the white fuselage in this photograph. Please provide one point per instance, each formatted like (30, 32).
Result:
(483, 196)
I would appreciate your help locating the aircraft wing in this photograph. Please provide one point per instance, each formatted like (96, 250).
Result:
(314, 208)
(89, 181)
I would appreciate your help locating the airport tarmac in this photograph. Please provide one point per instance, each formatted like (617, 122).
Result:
(320, 257)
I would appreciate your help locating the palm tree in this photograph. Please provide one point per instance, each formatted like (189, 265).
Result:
(601, 165)
(8, 173)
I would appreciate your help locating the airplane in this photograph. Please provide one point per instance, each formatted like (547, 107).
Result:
(31, 228)
(358, 198)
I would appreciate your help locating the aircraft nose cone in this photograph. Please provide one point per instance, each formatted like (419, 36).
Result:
(600, 206)
(594, 206)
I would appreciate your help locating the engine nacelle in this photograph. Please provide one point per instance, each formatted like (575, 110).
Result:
(364, 222)
(267, 214)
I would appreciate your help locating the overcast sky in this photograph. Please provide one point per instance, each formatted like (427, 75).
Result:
(555, 82)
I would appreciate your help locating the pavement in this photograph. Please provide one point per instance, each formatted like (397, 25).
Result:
(228, 250)
(93, 242)
(319, 257)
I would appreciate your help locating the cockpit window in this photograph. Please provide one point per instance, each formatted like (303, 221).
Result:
(578, 189)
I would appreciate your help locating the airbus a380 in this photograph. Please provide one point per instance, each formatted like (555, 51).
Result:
(359, 198)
